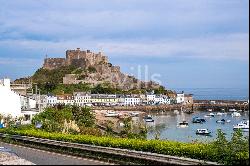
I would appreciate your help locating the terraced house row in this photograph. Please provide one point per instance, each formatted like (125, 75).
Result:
(86, 99)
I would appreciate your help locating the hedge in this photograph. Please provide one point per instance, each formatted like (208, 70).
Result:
(202, 151)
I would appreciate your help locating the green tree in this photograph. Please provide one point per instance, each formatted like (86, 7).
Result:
(83, 116)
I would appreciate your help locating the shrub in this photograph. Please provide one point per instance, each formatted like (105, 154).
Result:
(202, 151)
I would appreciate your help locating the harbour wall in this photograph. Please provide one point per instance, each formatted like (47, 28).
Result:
(196, 106)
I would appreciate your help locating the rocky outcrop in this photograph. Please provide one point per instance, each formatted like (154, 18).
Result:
(95, 69)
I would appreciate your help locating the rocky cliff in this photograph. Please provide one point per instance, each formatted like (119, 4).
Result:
(94, 69)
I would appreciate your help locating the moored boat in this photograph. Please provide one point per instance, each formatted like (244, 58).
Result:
(111, 114)
(210, 110)
(221, 121)
(236, 114)
(198, 120)
(133, 114)
(176, 111)
(232, 110)
(148, 118)
(203, 132)
(219, 113)
(183, 124)
(210, 115)
(244, 125)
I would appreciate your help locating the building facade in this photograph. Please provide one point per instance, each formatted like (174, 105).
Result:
(10, 102)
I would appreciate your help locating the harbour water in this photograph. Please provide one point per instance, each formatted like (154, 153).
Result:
(217, 93)
(165, 124)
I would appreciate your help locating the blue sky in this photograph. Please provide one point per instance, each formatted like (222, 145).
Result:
(184, 43)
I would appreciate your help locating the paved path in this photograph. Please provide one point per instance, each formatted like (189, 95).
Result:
(41, 157)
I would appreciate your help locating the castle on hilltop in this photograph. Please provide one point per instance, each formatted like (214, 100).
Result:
(95, 70)
(77, 58)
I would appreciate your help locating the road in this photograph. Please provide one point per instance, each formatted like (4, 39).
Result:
(41, 157)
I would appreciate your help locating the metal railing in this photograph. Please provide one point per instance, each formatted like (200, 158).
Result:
(147, 156)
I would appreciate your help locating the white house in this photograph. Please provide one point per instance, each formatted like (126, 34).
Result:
(82, 99)
(51, 100)
(162, 99)
(150, 98)
(10, 103)
(180, 98)
(132, 101)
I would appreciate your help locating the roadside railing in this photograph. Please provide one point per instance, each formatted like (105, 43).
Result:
(125, 153)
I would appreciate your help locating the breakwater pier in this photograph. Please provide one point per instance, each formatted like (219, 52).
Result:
(198, 105)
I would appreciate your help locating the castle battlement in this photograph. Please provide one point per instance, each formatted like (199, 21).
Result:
(76, 57)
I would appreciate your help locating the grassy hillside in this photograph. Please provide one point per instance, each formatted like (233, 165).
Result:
(50, 81)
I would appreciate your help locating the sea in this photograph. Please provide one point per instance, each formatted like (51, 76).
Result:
(165, 125)
(216, 93)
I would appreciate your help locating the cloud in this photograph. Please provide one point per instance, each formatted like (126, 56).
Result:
(20, 62)
(66, 20)
(230, 46)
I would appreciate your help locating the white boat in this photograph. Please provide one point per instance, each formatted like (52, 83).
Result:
(134, 114)
(236, 114)
(203, 132)
(219, 114)
(148, 119)
(221, 121)
(210, 110)
(232, 110)
(244, 125)
(176, 111)
(228, 121)
(210, 115)
(111, 114)
(183, 124)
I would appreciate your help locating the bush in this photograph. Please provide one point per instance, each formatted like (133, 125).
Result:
(53, 119)
(202, 151)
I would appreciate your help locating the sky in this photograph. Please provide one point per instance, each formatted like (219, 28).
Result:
(179, 43)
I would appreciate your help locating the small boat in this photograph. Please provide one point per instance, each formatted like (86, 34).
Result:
(210, 110)
(221, 121)
(219, 114)
(228, 121)
(149, 119)
(203, 132)
(133, 114)
(210, 115)
(198, 120)
(236, 114)
(244, 125)
(183, 124)
(111, 114)
(176, 111)
(232, 110)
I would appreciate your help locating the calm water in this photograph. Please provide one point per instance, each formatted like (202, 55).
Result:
(217, 93)
(166, 125)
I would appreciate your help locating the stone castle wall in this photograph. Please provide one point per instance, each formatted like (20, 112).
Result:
(53, 63)
(77, 58)
(105, 71)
